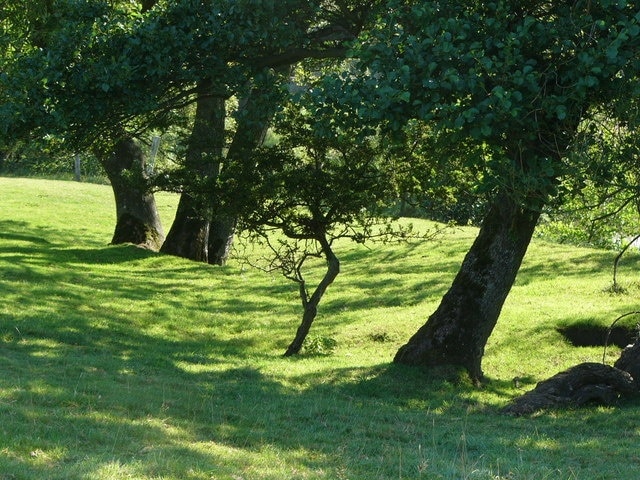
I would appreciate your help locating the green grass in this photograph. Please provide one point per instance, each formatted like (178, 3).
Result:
(118, 363)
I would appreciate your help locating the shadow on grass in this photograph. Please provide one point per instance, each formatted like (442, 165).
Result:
(86, 387)
(588, 263)
(86, 409)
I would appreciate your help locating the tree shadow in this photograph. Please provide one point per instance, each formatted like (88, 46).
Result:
(83, 390)
(575, 266)
(115, 396)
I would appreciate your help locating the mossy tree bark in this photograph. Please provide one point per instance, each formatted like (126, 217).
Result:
(137, 219)
(457, 332)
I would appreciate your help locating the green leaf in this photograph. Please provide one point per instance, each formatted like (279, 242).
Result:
(404, 96)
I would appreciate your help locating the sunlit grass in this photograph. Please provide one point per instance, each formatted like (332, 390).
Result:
(119, 363)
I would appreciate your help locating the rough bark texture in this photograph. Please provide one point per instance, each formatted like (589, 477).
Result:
(221, 235)
(189, 233)
(253, 122)
(196, 233)
(457, 332)
(310, 304)
(137, 219)
(585, 383)
(629, 361)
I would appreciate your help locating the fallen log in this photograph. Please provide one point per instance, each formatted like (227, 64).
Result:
(586, 383)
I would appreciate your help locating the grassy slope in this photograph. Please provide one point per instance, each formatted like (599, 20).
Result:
(118, 363)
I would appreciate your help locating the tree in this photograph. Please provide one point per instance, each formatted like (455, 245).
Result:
(317, 185)
(137, 219)
(201, 230)
(47, 96)
(131, 67)
(304, 30)
(517, 79)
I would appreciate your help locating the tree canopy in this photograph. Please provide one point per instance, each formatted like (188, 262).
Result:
(514, 77)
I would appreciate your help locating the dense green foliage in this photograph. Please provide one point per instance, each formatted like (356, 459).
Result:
(511, 78)
(600, 204)
(503, 85)
(120, 363)
(313, 180)
(112, 66)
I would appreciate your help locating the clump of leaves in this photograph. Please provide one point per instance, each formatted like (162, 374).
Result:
(319, 345)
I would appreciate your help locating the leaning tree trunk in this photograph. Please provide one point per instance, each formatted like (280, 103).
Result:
(189, 233)
(310, 304)
(253, 118)
(457, 332)
(137, 219)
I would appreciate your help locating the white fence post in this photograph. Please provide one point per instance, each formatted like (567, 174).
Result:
(155, 146)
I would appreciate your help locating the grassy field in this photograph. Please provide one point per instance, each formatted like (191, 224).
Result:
(118, 363)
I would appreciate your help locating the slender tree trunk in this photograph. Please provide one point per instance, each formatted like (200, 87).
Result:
(189, 233)
(457, 332)
(310, 304)
(137, 219)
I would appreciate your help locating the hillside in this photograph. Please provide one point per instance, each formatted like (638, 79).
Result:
(121, 363)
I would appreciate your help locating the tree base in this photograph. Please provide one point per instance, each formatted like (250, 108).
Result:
(133, 230)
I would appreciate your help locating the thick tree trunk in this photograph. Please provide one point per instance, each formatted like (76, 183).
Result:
(137, 219)
(310, 304)
(201, 231)
(457, 332)
(221, 235)
(253, 119)
(189, 233)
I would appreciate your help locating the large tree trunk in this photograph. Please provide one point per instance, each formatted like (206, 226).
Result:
(201, 231)
(221, 234)
(253, 118)
(189, 233)
(457, 332)
(137, 219)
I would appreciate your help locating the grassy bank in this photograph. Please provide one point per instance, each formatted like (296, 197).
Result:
(118, 363)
